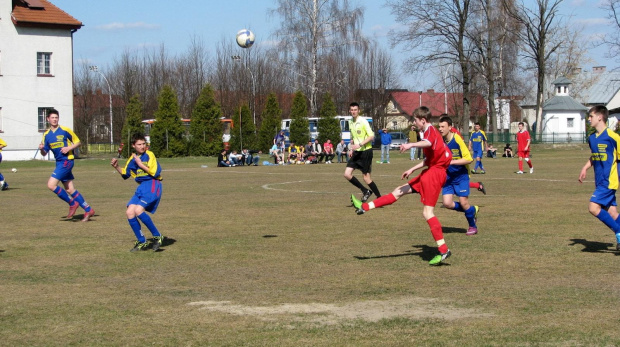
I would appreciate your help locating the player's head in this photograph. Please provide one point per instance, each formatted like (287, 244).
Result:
(354, 109)
(600, 111)
(138, 142)
(53, 116)
(445, 125)
(477, 126)
(421, 116)
(521, 126)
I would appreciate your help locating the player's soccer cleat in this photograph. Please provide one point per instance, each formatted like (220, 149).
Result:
(5, 186)
(481, 188)
(471, 231)
(483, 172)
(473, 171)
(357, 204)
(438, 259)
(519, 172)
(366, 195)
(72, 209)
(87, 215)
(531, 170)
(158, 241)
(140, 246)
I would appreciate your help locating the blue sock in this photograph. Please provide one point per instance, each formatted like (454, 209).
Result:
(148, 222)
(62, 194)
(458, 207)
(604, 217)
(135, 226)
(80, 200)
(481, 167)
(469, 214)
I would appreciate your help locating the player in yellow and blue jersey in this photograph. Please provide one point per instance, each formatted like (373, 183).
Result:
(62, 141)
(457, 182)
(3, 184)
(605, 148)
(477, 146)
(144, 168)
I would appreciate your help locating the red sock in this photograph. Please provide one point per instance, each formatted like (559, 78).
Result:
(437, 232)
(380, 201)
(520, 165)
(529, 163)
(474, 185)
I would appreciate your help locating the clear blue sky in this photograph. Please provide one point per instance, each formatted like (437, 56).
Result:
(113, 26)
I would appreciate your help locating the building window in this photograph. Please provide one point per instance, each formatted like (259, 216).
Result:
(570, 122)
(44, 63)
(42, 120)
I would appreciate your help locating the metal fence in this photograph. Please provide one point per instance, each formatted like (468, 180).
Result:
(101, 148)
(551, 138)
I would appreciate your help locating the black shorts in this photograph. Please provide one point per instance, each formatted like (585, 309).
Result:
(361, 160)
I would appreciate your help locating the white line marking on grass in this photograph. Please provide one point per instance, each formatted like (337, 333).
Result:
(269, 187)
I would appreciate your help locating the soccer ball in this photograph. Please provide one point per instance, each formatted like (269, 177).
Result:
(14, 169)
(245, 38)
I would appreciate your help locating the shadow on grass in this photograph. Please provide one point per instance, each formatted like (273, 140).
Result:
(594, 246)
(425, 253)
(167, 242)
(269, 236)
(451, 230)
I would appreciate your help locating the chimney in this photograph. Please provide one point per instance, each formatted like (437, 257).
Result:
(576, 71)
(430, 91)
(599, 69)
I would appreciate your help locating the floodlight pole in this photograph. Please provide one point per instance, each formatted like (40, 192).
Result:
(95, 68)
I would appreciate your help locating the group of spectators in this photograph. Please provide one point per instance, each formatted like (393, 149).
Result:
(311, 153)
(232, 158)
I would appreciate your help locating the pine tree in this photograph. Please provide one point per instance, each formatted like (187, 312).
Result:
(300, 127)
(205, 129)
(272, 122)
(167, 132)
(133, 124)
(329, 125)
(244, 133)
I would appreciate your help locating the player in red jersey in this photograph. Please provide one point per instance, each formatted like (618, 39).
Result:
(428, 183)
(523, 148)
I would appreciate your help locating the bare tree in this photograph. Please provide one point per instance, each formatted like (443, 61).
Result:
(436, 31)
(612, 39)
(309, 31)
(540, 40)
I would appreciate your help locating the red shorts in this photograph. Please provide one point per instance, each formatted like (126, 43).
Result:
(429, 184)
(521, 154)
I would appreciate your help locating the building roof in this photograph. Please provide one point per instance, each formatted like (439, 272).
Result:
(562, 103)
(42, 14)
(603, 89)
(562, 80)
(407, 102)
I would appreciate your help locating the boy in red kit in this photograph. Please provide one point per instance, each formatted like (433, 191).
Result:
(523, 148)
(428, 183)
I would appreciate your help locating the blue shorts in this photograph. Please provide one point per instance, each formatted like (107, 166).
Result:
(458, 186)
(477, 154)
(147, 195)
(63, 170)
(604, 196)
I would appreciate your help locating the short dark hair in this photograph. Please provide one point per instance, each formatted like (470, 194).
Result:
(52, 111)
(446, 119)
(600, 110)
(521, 123)
(137, 137)
(354, 104)
(477, 123)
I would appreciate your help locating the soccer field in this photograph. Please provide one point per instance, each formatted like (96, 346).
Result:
(275, 256)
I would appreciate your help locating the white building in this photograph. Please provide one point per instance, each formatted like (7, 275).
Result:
(36, 72)
(563, 117)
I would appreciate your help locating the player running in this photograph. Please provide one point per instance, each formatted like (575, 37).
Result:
(476, 185)
(605, 147)
(477, 146)
(62, 142)
(457, 182)
(428, 183)
(145, 169)
(3, 184)
(523, 148)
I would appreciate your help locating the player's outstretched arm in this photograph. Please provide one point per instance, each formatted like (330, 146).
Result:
(114, 163)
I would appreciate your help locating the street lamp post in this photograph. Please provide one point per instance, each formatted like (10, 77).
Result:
(95, 68)
(237, 58)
